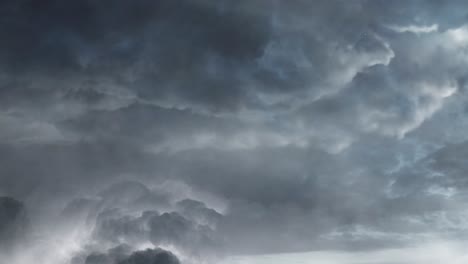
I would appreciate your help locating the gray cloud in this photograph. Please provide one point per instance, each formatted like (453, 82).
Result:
(13, 223)
(133, 214)
(232, 127)
(120, 255)
(151, 256)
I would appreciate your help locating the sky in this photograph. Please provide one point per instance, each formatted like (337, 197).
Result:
(197, 131)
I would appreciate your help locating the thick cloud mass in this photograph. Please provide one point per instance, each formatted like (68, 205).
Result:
(119, 256)
(13, 222)
(154, 256)
(216, 128)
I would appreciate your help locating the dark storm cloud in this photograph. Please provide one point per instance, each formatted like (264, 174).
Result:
(156, 256)
(215, 56)
(132, 44)
(13, 223)
(167, 229)
(261, 57)
(118, 255)
(113, 255)
(130, 213)
(312, 124)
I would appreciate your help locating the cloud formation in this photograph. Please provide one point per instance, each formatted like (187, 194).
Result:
(218, 128)
(13, 223)
(117, 256)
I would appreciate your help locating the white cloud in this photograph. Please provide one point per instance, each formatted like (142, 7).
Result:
(415, 29)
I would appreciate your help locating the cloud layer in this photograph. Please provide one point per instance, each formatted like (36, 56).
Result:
(218, 128)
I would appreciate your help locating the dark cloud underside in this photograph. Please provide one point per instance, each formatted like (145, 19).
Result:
(223, 127)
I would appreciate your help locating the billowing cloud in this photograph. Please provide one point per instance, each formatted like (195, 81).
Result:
(151, 256)
(118, 256)
(230, 127)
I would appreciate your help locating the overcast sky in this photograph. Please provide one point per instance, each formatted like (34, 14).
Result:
(220, 128)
